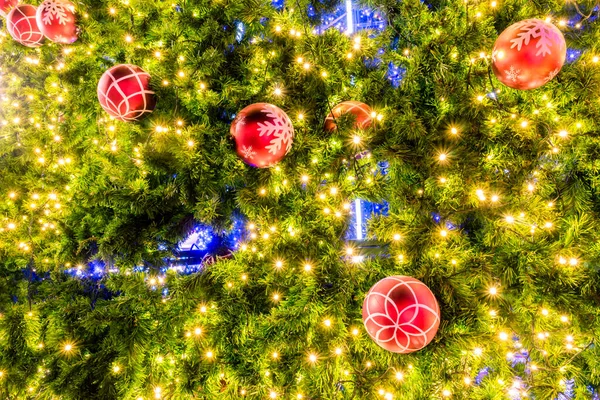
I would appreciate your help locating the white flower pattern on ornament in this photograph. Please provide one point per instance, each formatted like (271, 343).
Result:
(248, 152)
(406, 333)
(56, 9)
(280, 127)
(533, 29)
(513, 73)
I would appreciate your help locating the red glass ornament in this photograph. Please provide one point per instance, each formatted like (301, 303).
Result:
(529, 54)
(22, 26)
(361, 111)
(401, 314)
(56, 20)
(6, 5)
(124, 92)
(263, 134)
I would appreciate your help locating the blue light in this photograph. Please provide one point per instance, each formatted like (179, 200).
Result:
(395, 74)
(573, 55)
(278, 4)
(361, 213)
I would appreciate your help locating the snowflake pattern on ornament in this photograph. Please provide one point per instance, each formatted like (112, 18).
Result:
(56, 9)
(551, 75)
(513, 73)
(280, 127)
(248, 152)
(533, 29)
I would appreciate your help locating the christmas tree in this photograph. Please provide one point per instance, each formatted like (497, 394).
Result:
(142, 258)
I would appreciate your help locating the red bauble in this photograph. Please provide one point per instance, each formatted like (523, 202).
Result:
(263, 134)
(401, 314)
(22, 26)
(361, 111)
(124, 92)
(529, 54)
(6, 5)
(56, 19)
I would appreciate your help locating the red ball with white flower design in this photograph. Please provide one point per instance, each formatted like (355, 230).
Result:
(56, 19)
(529, 54)
(6, 5)
(22, 26)
(401, 314)
(263, 134)
(362, 113)
(124, 92)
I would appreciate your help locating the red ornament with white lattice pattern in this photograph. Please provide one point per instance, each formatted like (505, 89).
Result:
(529, 54)
(6, 6)
(363, 115)
(124, 92)
(56, 20)
(22, 26)
(263, 134)
(401, 314)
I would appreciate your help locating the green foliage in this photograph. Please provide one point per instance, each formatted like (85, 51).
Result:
(77, 186)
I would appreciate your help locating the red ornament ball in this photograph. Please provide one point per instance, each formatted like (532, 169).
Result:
(362, 115)
(56, 19)
(6, 5)
(22, 26)
(401, 314)
(263, 134)
(529, 54)
(124, 92)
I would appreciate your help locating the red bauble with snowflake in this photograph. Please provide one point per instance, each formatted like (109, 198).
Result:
(401, 314)
(56, 19)
(22, 26)
(6, 5)
(363, 115)
(124, 92)
(529, 54)
(263, 134)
